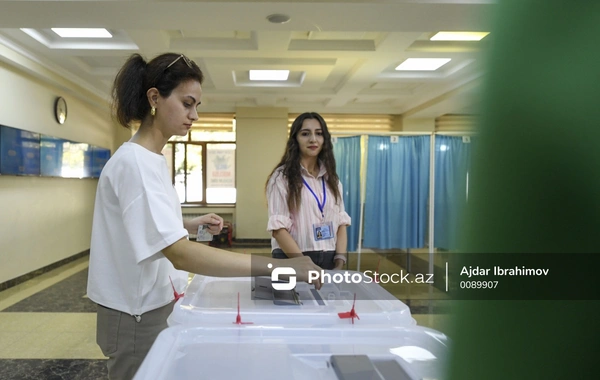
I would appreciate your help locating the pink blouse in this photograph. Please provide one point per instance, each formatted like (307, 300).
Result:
(300, 224)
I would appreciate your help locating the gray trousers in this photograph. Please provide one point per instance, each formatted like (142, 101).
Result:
(324, 259)
(126, 342)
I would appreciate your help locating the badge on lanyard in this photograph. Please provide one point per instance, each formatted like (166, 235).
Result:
(321, 231)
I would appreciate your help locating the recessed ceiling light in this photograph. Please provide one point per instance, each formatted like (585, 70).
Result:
(422, 64)
(459, 36)
(278, 18)
(269, 74)
(82, 32)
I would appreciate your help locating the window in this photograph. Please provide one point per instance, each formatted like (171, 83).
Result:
(202, 163)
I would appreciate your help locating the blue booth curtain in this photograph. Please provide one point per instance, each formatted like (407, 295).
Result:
(452, 163)
(347, 160)
(397, 192)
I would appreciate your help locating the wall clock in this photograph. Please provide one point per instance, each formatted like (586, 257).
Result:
(60, 110)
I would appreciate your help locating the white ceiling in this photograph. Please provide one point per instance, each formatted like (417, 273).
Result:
(341, 54)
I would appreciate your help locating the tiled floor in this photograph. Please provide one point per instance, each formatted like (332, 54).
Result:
(48, 325)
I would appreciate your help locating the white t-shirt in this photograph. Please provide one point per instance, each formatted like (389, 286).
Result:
(137, 214)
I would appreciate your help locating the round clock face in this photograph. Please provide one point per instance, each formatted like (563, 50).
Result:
(60, 110)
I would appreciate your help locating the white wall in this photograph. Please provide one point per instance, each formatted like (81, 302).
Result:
(45, 220)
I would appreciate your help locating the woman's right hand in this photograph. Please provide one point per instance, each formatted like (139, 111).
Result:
(303, 265)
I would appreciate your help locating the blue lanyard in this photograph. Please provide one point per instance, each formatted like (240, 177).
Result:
(321, 205)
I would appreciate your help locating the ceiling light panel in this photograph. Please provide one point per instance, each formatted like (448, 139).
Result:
(280, 75)
(82, 32)
(241, 78)
(49, 38)
(459, 36)
(422, 64)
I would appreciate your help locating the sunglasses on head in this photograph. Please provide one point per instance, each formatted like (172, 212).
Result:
(187, 61)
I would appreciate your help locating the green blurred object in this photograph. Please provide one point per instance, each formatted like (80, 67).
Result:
(535, 188)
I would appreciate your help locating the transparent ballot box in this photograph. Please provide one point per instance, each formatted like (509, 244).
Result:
(271, 353)
(221, 300)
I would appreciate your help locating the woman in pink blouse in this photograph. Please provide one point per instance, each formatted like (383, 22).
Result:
(304, 195)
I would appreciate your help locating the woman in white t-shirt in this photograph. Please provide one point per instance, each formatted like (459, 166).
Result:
(304, 195)
(140, 254)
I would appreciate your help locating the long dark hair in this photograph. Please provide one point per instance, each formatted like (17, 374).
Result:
(136, 77)
(291, 162)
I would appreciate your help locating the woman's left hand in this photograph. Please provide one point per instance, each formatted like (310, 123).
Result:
(213, 221)
(338, 264)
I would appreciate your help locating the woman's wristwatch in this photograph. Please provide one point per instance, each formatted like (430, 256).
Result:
(341, 257)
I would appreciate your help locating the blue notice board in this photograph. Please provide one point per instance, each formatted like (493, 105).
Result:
(51, 152)
(29, 153)
(19, 152)
(100, 157)
(87, 162)
(74, 160)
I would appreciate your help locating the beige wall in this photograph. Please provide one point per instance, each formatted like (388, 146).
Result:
(456, 123)
(45, 220)
(418, 125)
(261, 139)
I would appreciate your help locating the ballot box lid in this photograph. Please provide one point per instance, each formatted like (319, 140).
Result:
(218, 300)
